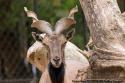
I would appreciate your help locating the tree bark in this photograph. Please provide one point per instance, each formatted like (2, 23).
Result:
(107, 29)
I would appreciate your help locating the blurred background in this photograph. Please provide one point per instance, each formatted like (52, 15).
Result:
(15, 34)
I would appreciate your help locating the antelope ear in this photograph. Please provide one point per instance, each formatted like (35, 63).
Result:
(37, 37)
(70, 34)
(30, 57)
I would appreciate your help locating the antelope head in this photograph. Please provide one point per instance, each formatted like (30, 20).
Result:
(54, 40)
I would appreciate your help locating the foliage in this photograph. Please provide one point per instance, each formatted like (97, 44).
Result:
(49, 10)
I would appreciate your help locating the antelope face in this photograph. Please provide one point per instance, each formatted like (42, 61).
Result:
(55, 45)
(54, 41)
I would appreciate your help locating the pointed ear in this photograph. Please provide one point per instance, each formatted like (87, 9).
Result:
(37, 37)
(70, 34)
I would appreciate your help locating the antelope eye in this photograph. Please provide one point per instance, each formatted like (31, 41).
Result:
(39, 38)
(45, 44)
(47, 47)
(65, 42)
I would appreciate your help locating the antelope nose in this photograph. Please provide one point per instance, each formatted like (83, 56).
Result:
(56, 59)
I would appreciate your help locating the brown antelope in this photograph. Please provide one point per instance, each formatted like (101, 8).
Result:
(37, 54)
(59, 69)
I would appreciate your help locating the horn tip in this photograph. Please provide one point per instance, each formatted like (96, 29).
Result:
(73, 11)
(76, 8)
(25, 9)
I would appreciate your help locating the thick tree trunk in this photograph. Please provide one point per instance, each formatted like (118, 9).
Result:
(107, 28)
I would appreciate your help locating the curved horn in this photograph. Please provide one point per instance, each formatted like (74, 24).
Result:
(41, 25)
(66, 22)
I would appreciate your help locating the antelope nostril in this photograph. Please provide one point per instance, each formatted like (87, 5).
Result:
(56, 59)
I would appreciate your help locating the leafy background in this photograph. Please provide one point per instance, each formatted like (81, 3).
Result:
(13, 18)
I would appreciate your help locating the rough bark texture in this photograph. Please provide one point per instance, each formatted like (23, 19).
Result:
(107, 28)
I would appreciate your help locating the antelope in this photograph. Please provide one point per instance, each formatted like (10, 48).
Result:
(59, 69)
(37, 54)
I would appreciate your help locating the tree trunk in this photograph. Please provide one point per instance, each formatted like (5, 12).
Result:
(107, 29)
